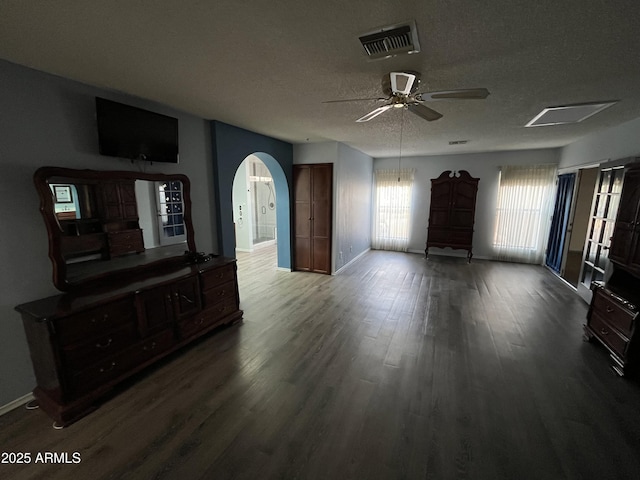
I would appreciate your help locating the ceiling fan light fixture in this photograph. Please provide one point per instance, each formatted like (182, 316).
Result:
(402, 82)
(568, 114)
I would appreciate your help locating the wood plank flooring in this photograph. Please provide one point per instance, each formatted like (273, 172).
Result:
(397, 368)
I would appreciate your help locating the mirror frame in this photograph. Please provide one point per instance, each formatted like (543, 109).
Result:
(41, 180)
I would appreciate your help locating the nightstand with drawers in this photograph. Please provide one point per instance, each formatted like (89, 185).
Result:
(612, 320)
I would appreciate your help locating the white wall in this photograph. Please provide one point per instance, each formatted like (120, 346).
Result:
(612, 144)
(49, 120)
(322, 152)
(353, 204)
(480, 165)
(242, 222)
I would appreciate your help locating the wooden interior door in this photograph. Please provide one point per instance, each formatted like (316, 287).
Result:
(302, 217)
(321, 210)
(313, 192)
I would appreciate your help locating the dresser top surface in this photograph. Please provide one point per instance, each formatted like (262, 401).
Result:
(66, 303)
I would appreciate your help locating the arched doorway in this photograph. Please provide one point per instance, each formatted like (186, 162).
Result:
(231, 145)
(260, 204)
(254, 206)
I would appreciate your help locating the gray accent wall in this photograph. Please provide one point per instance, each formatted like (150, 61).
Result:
(49, 120)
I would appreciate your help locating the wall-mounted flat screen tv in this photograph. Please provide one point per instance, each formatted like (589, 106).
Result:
(130, 132)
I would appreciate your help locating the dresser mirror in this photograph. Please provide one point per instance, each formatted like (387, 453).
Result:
(108, 224)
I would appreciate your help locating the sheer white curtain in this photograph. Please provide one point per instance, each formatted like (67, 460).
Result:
(523, 216)
(392, 209)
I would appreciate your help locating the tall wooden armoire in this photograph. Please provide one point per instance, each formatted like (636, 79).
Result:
(313, 192)
(452, 211)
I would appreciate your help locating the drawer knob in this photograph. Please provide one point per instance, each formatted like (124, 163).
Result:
(221, 293)
(149, 347)
(105, 344)
(109, 368)
(200, 321)
(604, 331)
(609, 309)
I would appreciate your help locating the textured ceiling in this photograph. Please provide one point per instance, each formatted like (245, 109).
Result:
(267, 65)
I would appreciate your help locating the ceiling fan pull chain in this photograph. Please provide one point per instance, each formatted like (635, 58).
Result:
(401, 132)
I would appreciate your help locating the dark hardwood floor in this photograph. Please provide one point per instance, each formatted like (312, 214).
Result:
(396, 368)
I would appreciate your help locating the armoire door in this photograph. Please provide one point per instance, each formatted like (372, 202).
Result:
(312, 217)
(624, 242)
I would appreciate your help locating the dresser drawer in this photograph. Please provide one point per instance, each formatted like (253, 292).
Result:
(615, 314)
(126, 241)
(217, 294)
(94, 322)
(126, 237)
(608, 334)
(207, 318)
(78, 356)
(119, 364)
(218, 276)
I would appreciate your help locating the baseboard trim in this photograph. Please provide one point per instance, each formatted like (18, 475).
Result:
(283, 269)
(352, 260)
(557, 275)
(18, 402)
(453, 253)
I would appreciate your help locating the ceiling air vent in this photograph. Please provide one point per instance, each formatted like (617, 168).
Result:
(390, 41)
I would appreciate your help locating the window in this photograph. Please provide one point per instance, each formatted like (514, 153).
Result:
(392, 209)
(171, 217)
(525, 202)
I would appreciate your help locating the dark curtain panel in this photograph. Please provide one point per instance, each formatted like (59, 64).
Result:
(560, 221)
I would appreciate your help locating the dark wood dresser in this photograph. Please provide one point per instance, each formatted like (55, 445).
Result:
(612, 319)
(452, 211)
(82, 345)
(613, 313)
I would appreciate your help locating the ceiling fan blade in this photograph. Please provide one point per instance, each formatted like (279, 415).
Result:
(402, 82)
(465, 94)
(374, 113)
(355, 100)
(424, 112)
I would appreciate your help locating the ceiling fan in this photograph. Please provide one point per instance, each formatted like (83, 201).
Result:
(401, 88)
